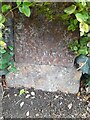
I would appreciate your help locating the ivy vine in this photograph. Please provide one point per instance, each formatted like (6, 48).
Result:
(6, 51)
(78, 16)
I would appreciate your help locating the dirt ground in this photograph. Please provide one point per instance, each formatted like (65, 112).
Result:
(41, 104)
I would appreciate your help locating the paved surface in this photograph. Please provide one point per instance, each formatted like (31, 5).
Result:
(41, 104)
(42, 55)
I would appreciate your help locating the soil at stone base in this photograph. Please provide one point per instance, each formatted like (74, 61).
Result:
(41, 104)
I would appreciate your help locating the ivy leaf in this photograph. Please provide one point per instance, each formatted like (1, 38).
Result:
(85, 14)
(81, 33)
(2, 44)
(5, 8)
(71, 27)
(26, 10)
(2, 18)
(18, 2)
(0, 34)
(81, 17)
(83, 3)
(12, 69)
(70, 9)
(28, 4)
(2, 51)
(84, 64)
(75, 48)
(75, 21)
(22, 91)
(88, 82)
(85, 68)
(88, 34)
(3, 65)
(11, 48)
(20, 9)
(65, 16)
(84, 27)
(6, 57)
(83, 50)
(88, 4)
(2, 26)
(12, 54)
(84, 40)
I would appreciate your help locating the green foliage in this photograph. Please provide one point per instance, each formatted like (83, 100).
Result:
(82, 17)
(2, 26)
(84, 65)
(2, 18)
(78, 15)
(5, 8)
(78, 11)
(80, 47)
(6, 52)
(22, 91)
(24, 7)
(6, 57)
(46, 10)
(73, 24)
(2, 51)
(70, 9)
(84, 28)
(88, 81)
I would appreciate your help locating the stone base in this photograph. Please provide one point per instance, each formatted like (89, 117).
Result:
(45, 77)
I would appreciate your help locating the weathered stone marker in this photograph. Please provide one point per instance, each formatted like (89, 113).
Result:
(42, 57)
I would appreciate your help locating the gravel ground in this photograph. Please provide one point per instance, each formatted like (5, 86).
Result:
(41, 104)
